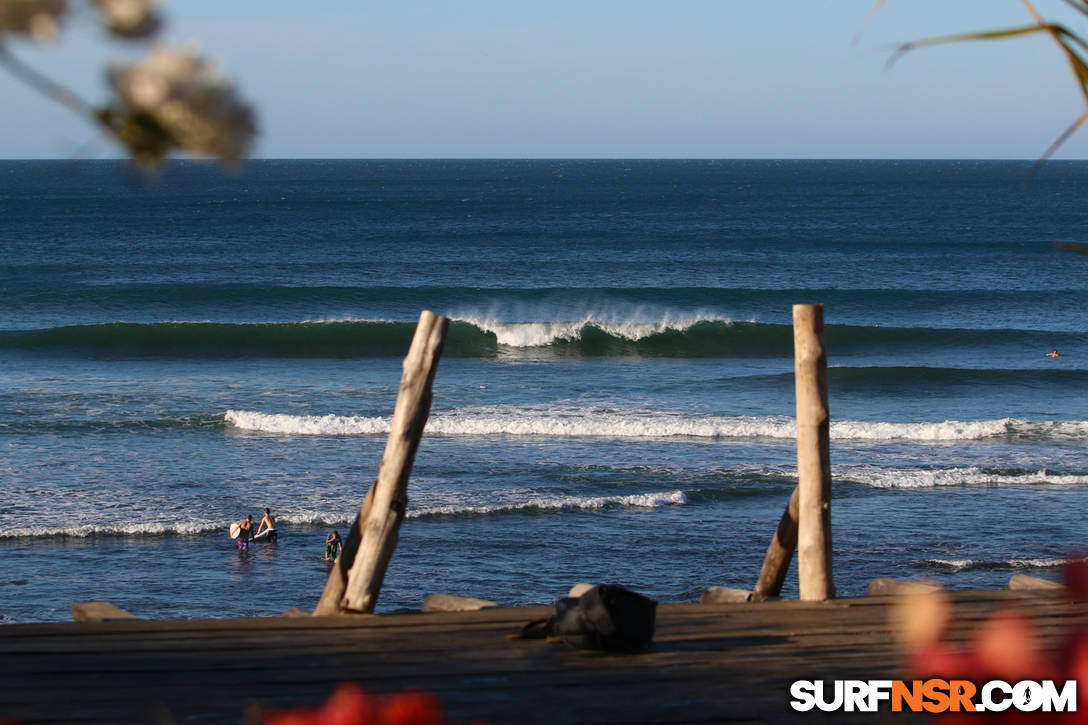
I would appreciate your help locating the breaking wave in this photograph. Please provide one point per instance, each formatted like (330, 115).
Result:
(641, 424)
(965, 476)
(530, 502)
(698, 335)
(560, 503)
(972, 564)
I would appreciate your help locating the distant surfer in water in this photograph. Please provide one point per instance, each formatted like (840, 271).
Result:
(1053, 353)
(268, 522)
(333, 546)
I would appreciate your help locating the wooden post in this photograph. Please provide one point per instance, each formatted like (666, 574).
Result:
(373, 536)
(813, 455)
(337, 582)
(379, 528)
(776, 563)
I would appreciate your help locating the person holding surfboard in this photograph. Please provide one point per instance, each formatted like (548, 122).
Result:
(243, 532)
(267, 527)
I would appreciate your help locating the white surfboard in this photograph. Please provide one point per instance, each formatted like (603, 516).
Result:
(235, 529)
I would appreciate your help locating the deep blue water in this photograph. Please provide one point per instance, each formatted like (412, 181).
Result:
(615, 398)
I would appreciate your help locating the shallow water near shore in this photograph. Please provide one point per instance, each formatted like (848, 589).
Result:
(616, 396)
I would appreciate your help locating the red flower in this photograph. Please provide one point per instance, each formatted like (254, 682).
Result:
(349, 704)
(1004, 647)
(412, 708)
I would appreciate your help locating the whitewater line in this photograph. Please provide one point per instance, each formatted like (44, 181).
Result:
(539, 502)
(592, 423)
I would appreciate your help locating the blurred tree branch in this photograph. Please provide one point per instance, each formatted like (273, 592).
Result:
(173, 100)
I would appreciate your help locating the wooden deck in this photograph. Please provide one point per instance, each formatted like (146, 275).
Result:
(708, 663)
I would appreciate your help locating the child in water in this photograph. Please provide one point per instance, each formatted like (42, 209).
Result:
(333, 546)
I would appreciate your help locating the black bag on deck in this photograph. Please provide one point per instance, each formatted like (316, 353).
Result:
(607, 617)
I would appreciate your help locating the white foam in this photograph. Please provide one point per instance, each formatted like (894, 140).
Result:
(959, 564)
(949, 430)
(541, 334)
(952, 563)
(965, 476)
(559, 503)
(579, 423)
(1040, 563)
(541, 423)
(566, 422)
(118, 529)
(518, 501)
(956, 430)
(306, 424)
(308, 517)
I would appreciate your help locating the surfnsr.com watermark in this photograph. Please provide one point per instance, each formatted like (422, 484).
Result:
(933, 695)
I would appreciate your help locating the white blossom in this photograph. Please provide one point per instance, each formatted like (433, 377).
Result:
(130, 18)
(186, 95)
(39, 19)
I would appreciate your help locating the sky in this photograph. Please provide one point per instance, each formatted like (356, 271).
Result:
(594, 79)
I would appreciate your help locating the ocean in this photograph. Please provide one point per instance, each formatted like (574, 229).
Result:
(615, 400)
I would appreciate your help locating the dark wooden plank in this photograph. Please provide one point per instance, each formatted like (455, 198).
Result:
(709, 663)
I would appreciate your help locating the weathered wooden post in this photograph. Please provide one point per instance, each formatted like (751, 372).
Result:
(777, 561)
(337, 582)
(356, 578)
(813, 455)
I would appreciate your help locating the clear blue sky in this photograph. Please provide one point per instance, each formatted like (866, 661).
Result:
(599, 78)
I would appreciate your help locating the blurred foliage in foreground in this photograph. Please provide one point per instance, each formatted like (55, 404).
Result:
(172, 101)
(1007, 646)
(1073, 46)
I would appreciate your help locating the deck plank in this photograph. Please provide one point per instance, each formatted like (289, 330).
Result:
(709, 663)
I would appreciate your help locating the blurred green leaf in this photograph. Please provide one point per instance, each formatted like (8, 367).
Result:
(1070, 43)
